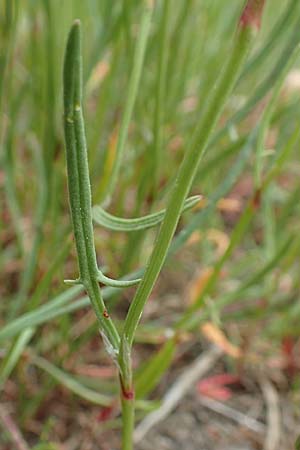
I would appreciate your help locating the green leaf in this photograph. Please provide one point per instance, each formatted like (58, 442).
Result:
(116, 283)
(80, 196)
(42, 314)
(13, 355)
(103, 218)
(71, 383)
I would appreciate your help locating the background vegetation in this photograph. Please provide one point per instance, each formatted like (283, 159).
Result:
(234, 261)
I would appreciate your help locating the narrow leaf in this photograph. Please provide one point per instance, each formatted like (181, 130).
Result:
(13, 355)
(71, 383)
(103, 218)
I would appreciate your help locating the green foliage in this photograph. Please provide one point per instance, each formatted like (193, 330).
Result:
(158, 129)
(101, 217)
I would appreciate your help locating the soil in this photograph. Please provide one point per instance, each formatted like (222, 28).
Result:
(194, 427)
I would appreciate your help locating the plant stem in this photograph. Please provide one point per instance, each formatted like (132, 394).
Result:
(188, 170)
(128, 422)
(180, 191)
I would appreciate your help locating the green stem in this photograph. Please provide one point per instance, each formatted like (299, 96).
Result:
(128, 422)
(187, 173)
(180, 191)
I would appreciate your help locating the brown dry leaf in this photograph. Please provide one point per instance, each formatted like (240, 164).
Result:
(198, 284)
(292, 82)
(93, 371)
(216, 336)
(220, 239)
(201, 204)
(229, 205)
(194, 238)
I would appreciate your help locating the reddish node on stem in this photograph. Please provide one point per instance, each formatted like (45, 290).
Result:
(128, 394)
(252, 14)
(105, 314)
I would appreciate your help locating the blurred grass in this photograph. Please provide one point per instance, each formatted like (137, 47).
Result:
(186, 49)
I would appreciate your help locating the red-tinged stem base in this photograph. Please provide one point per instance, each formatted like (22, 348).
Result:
(127, 403)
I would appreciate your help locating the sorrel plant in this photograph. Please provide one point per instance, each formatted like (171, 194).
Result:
(119, 346)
